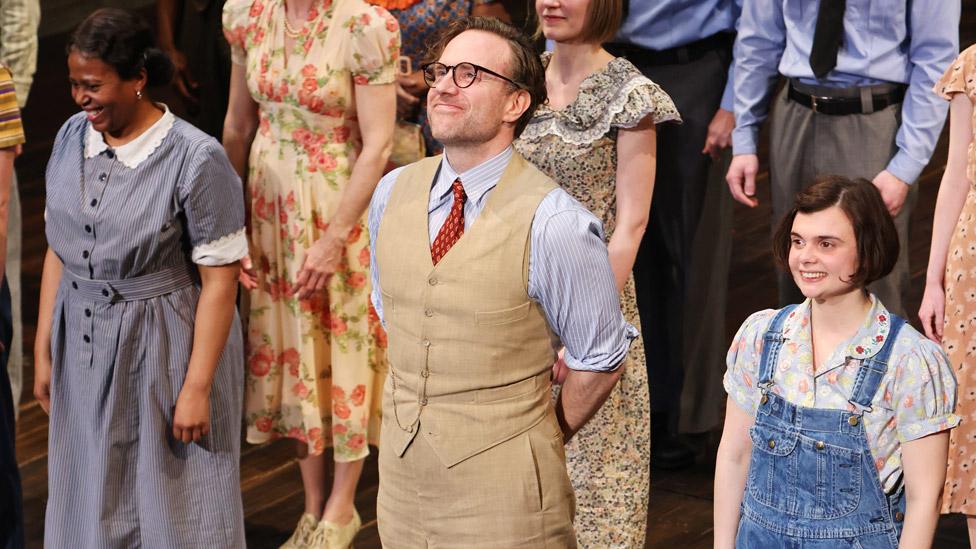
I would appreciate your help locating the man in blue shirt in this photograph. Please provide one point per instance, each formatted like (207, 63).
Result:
(685, 46)
(858, 102)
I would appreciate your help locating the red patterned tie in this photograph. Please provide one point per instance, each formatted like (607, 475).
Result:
(453, 226)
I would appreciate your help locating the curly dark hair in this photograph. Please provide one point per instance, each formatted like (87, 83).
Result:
(123, 40)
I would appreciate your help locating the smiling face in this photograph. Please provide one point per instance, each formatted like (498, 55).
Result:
(109, 101)
(823, 253)
(479, 113)
(563, 20)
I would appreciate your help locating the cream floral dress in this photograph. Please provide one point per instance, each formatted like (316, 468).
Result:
(315, 366)
(609, 459)
(959, 335)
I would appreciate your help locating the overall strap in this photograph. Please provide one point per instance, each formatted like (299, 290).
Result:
(873, 369)
(772, 341)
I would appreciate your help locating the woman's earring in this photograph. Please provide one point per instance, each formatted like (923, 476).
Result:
(138, 94)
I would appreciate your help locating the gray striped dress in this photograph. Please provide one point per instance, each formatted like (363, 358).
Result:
(129, 236)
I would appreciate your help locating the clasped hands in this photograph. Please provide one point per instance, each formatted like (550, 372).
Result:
(321, 261)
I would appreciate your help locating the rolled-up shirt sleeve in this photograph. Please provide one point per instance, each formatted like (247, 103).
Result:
(571, 279)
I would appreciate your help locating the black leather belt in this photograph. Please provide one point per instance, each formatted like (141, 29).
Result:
(845, 105)
(680, 55)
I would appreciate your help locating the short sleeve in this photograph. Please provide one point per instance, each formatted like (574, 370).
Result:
(212, 198)
(236, 19)
(923, 393)
(375, 46)
(960, 77)
(742, 361)
(11, 127)
(639, 98)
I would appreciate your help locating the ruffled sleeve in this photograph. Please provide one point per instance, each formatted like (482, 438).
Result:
(637, 98)
(742, 362)
(213, 202)
(236, 21)
(375, 46)
(922, 392)
(960, 77)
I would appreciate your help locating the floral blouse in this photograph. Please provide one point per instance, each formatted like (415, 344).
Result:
(916, 397)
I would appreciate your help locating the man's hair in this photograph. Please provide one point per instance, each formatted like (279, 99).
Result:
(527, 69)
(874, 230)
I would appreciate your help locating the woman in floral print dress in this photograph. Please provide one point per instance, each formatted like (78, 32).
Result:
(596, 136)
(310, 122)
(948, 309)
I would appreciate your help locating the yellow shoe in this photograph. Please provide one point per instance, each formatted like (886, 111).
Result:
(302, 536)
(329, 535)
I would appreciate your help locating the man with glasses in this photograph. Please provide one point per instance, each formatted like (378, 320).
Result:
(482, 268)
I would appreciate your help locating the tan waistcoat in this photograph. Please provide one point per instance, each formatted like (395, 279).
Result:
(470, 353)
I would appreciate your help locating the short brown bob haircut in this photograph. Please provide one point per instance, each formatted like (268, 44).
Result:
(603, 20)
(527, 69)
(874, 230)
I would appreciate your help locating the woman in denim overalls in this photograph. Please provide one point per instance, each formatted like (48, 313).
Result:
(843, 407)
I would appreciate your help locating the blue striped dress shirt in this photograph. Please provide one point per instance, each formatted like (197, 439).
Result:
(569, 269)
(901, 41)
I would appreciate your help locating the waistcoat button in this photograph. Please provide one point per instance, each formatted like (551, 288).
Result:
(428, 313)
(423, 402)
(820, 445)
(432, 281)
(852, 420)
(425, 373)
(426, 343)
(772, 443)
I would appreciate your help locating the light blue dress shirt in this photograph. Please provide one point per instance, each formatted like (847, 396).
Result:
(903, 41)
(665, 24)
(569, 269)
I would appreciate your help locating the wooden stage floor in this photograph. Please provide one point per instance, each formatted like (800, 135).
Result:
(680, 513)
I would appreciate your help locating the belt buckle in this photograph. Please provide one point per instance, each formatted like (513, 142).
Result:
(813, 103)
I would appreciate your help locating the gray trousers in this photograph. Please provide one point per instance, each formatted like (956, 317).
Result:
(805, 144)
(682, 266)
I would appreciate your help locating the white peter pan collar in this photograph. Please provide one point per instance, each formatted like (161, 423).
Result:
(134, 152)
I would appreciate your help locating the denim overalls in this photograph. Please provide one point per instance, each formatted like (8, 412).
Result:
(812, 479)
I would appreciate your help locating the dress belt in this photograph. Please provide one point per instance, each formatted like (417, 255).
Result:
(135, 288)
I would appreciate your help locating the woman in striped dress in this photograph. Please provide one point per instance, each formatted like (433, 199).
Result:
(138, 357)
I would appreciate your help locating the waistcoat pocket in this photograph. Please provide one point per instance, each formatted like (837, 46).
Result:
(502, 316)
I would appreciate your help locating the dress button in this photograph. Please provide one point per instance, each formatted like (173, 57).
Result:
(105, 293)
(852, 420)
(87, 339)
(428, 313)
(88, 228)
(87, 312)
(85, 254)
(432, 281)
(820, 445)
(74, 285)
(102, 176)
(772, 443)
(94, 202)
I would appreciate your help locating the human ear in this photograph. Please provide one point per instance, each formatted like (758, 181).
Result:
(518, 103)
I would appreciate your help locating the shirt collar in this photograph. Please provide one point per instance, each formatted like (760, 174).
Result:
(476, 181)
(134, 152)
(866, 343)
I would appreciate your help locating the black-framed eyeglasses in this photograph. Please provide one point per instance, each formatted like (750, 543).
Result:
(464, 74)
